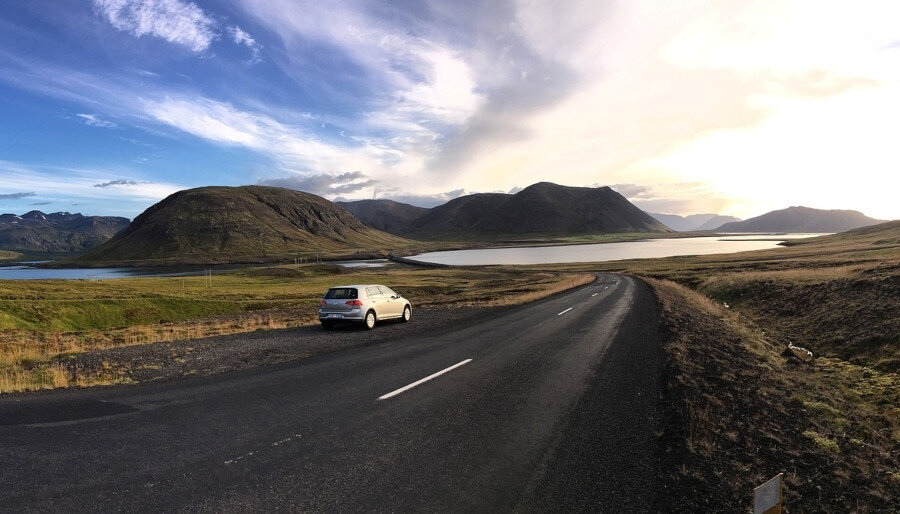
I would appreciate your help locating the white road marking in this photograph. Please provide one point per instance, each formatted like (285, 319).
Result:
(250, 454)
(426, 379)
(565, 311)
(595, 294)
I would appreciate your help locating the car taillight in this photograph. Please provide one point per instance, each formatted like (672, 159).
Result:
(356, 303)
(323, 303)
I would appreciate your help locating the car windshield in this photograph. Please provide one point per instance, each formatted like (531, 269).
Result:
(341, 293)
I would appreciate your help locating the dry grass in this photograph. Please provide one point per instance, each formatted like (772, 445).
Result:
(736, 412)
(48, 322)
(6, 255)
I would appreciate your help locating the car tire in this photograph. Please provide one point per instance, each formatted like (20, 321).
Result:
(407, 314)
(327, 324)
(369, 321)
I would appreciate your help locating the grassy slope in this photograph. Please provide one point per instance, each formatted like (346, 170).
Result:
(6, 255)
(250, 224)
(44, 322)
(836, 295)
(736, 413)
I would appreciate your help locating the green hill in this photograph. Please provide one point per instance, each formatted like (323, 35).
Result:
(211, 225)
(386, 215)
(539, 209)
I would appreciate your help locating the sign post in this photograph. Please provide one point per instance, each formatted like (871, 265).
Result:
(767, 497)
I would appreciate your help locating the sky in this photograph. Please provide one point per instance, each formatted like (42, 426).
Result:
(736, 107)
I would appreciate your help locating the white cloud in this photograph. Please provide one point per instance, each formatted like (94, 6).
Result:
(241, 38)
(294, 148)
(425, 86)
(79, 184)
(95, 121)
(175, 21)
(324, 184)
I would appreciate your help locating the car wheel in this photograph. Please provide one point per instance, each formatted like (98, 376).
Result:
(327, 324)
(370, 320)
(407, 314)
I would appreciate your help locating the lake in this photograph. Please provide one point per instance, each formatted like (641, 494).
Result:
(520, 255)
(26, 272)
(650, 248)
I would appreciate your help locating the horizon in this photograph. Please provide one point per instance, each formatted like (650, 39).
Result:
(340, 199)
(112, 105)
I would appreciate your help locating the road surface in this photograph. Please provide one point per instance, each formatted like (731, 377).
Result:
(549, 406)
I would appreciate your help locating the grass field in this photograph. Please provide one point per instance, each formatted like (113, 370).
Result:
(6, 255)
(44, 322)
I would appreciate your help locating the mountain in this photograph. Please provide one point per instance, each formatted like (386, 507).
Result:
(716, 222)
(239, 224)
(540, 209)
(58, 232)
(692, 221)
(386, 215)
(802, 219)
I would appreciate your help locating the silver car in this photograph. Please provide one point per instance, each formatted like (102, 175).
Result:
(364, 304)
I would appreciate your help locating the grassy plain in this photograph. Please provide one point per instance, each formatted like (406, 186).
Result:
(6, 255)
(42, 323)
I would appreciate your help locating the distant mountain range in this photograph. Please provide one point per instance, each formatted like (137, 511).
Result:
(262, 224)
(539, 209)
(802, 219)
(58, 232)
(239, 224)
(693, 222)
(386, 215)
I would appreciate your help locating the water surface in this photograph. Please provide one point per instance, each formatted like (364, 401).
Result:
(650, 248)
(25, 272)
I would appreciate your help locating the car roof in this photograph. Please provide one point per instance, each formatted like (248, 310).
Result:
(356, 286)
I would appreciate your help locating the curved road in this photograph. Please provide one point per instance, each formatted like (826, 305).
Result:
(549, 406)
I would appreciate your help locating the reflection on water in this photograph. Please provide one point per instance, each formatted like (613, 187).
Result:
(23, 272)
(650, 248)
(521, 255)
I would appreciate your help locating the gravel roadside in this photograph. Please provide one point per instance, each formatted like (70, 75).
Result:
(213, 355)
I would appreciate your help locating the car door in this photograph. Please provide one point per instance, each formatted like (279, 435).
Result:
(393, 305)
(378, 302)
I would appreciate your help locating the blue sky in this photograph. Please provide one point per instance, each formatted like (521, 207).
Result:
(732, 107)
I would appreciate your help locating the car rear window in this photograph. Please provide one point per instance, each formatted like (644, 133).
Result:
(341, 293)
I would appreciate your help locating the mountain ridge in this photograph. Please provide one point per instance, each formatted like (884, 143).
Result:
(57, 232)
(692, 222)
(384, 214)
(541, 208)
(220, 224)
(802, 219)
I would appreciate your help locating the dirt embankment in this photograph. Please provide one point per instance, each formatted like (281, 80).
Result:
(735, 412)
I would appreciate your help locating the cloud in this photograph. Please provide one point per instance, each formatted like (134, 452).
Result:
(682, 198)
(70, 184)
(175, 21)
(420, 200)
(41, 203)
(95, 121)
(629, 191)
(17, 196)
(119, 182)
(324, 184)
(241, 38)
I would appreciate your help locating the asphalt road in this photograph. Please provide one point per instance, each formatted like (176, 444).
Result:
(546, 407)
